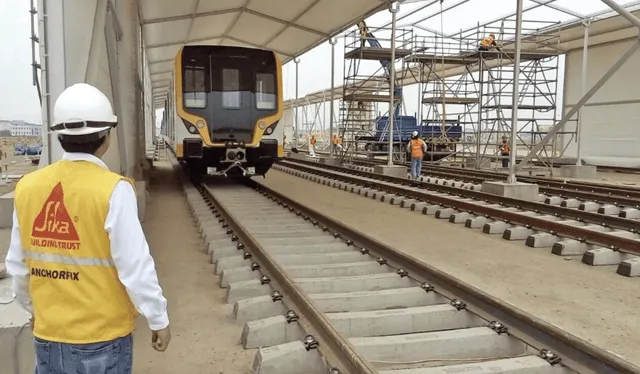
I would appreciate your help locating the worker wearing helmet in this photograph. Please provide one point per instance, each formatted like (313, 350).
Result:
(489, 43)
(79, 259)
(417, 148)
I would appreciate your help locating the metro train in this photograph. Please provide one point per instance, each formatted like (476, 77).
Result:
(223, 110)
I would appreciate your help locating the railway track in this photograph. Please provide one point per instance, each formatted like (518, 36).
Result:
(319, 297)
(599, 239)
(591, 197)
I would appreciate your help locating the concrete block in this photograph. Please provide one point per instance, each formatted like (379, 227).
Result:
(298, 249)
(235, 275)
(460, 217)
(541, 240)
(393, 170)
(370, 282)
(496, 227)
(589, 206)
(231, 262)
(330, 161)
(630, 213)
(518, 365)
(523, 191)
(406, 203)
(321, 258)
(14, 329)
(376, 300)
(245, 290)
(554, 200)
(604, 256)
(336, 270)
(444, 213)
(6, 210)
(417, 206)
(517, 233)
(472, 343)
(257, 308)
(570, 203)
(267, 234)
(288, 358)
(476, 222)
(609, 210)
(570, 247)
(575, 171)
(629, 268)
(221, 252)
(403, 321)
(270, 331)
(431, 209)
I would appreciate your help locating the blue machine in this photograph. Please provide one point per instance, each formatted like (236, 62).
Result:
(404, 126)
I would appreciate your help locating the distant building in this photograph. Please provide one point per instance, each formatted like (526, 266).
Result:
(5, 125)
(22, 128)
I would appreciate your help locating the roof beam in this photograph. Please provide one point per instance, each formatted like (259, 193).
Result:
(190, 16)
(304, 11)
(288, 24)
(235, 21)
(257, 46)
(560, 9)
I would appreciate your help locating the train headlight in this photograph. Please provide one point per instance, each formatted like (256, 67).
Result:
(262, 125)
(192, 129)
(269, 131)
(200, 124)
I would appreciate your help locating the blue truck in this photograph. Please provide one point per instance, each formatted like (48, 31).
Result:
(403, 127)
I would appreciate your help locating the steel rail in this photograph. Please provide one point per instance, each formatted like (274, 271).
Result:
(332, 345)
(397, 186)
(550, 188)
(522, 325)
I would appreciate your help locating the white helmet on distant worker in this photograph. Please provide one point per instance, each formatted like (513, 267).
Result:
(414, 134)
(83, 109)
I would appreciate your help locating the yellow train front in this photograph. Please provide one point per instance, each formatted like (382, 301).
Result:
(224, 108)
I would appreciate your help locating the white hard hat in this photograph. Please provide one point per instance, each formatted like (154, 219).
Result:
(415, 133)
(82, 109)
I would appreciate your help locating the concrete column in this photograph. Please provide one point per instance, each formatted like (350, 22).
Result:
(585, 56)
(516, 96)
(333, 42)
(394, 8)
(294, 141)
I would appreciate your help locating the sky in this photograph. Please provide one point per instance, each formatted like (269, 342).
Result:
(19, 98)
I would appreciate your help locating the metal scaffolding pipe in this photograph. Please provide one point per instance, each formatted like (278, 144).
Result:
(623, 12)
(627, 55)
(333, 42)
(294, 141)
(585, 56)
(394, 8)
(516, 96)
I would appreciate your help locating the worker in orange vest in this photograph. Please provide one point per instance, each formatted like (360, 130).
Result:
(312, 143)
(505, 151)
(417, 147)
(337, 142)
(489, 43)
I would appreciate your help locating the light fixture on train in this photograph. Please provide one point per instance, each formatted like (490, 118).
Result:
(240, 155)
(262, 125)
(200, 124)
(193, 130)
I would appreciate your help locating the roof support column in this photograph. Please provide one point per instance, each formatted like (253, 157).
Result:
(516, 96)
(333, 42)
(585, 56)
(394, 8)
(295, 108)
(627, 55)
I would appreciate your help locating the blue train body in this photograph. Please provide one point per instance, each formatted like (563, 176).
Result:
(404, 126)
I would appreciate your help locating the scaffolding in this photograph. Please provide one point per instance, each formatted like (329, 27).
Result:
(466, 94)
(366, 87)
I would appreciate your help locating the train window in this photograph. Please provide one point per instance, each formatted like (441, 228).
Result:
(265, 91)
(195, 94)
(231, 88)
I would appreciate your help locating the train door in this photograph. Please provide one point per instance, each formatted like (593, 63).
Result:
(232, 98)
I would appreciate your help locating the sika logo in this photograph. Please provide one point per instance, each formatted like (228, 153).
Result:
(53, 227)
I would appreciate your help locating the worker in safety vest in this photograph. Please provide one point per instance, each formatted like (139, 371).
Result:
(79, 259)
(505, 151)
(337, 142)
(417, 147)
(488, 43)
(312, 143)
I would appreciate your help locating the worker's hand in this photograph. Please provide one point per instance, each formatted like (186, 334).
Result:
(32, 321)
(160, 339)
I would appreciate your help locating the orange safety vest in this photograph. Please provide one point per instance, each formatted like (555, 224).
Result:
(486, 42)
(416, 148)
(506, 148)
(313, 140)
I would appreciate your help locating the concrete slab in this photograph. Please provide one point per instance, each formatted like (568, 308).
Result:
(589, 206)
(604, 256)
(629, 268)
(523, 191)
(609, 210)
(395, 298)
(403, 321)
(231, 262)
(393, 170)
(245, 290)
(575, 171)
(288, 358)
(336, 270)
(235, 275)
(471, 343)
(370, 282)
(631, 213)
(222, 252)
(6, 210)
(570, 203)
(321, 258)
(518, 365)
(257, 308)
(270, 331)
(554, 200)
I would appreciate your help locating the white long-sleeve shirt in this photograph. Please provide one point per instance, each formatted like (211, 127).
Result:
(129, 251)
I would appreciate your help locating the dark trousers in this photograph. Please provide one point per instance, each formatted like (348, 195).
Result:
(505, 161)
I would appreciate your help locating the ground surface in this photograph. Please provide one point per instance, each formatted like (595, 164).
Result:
(593, 303)
(205, 339)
